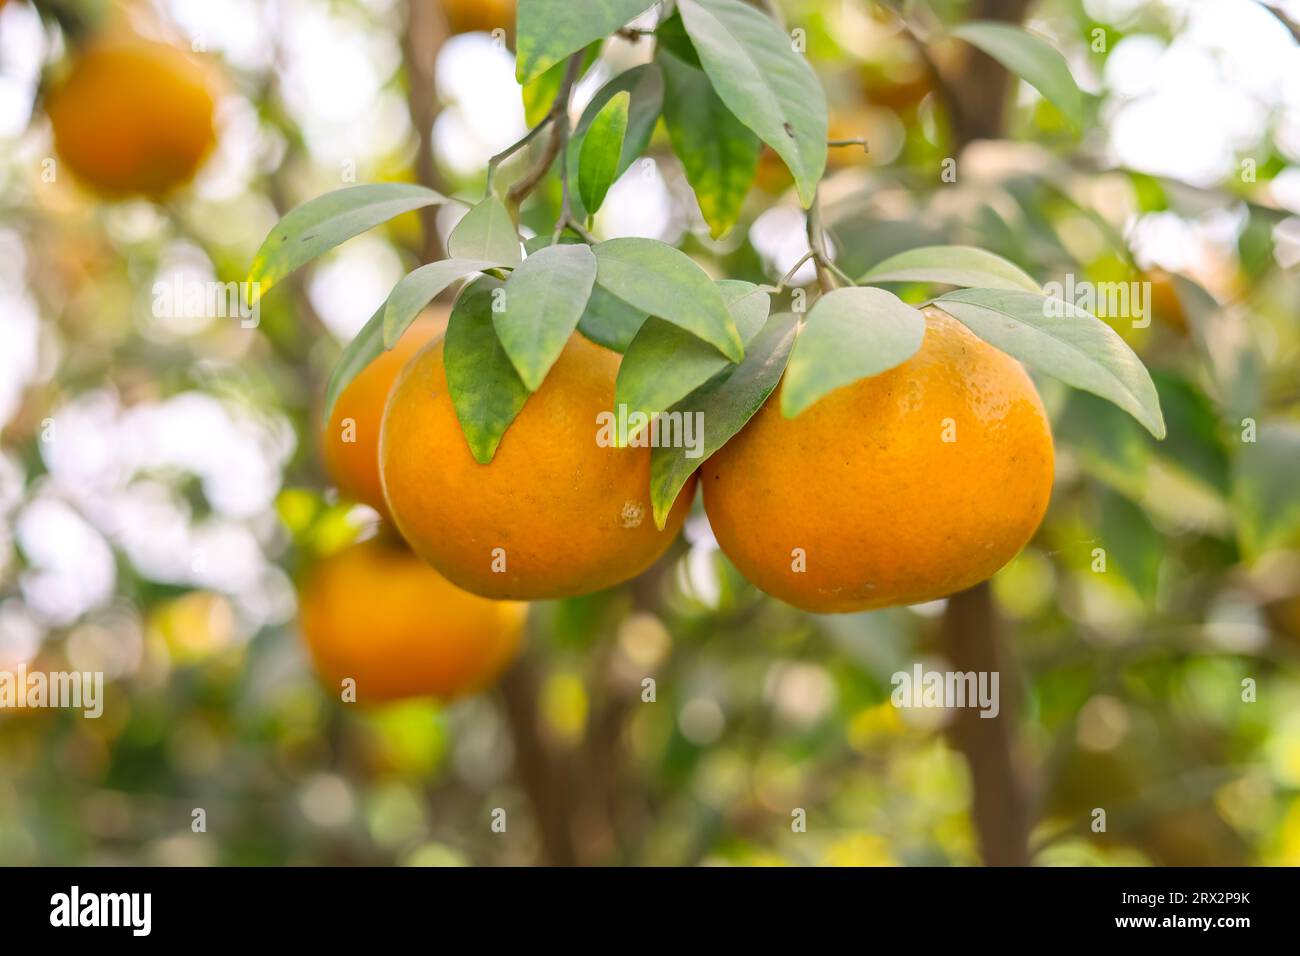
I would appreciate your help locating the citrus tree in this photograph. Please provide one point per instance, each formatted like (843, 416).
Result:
(875, 409)
(905, 457)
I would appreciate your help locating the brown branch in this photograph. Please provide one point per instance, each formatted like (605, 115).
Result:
(558, 117)
(539, 774)
(1000, 804)
(426, 31)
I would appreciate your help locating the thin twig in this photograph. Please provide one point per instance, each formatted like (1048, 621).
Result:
(785, 279)
(559, 136)
(855, 141)
(817, 245)
(426, 31)
(513, 148)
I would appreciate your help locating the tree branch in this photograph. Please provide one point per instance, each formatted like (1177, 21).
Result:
(1000, 804)
(426, 31)
(558, 117)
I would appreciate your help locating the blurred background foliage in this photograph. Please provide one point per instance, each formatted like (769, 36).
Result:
(161, 491)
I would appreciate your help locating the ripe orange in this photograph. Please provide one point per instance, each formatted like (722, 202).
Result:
(1165, 304)
(376, 613)
(554, 514)
(468, 16)
(900, 488)
(350, 442)
(133, 117)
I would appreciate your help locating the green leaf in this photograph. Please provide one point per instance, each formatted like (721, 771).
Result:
(357, 354)
(550, 30)
(726, 402)
(664, 363)
(539, 95)
(664, 281)
(1135, 546)
(1031, 58)
(769, 87)
(1061, 340)
(485, 388)
(322, 223)
(1265, 490)
(964, 266)
(609, 321)
(601, 149)
(418, 288)
(544, 298)
(850, 334)
(645, 86)
(486, 233)
(718, 152)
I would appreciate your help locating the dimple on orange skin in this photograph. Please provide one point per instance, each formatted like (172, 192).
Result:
(884, 509)
(354, 463)
(376, 613)
(568, 515)
(133, 117)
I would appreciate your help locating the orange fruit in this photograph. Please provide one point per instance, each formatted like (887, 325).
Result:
(469, 16)
(553, 515)
(350, 442)
(133, 116)
(1165, 303)
(899, 488)
(376, 613)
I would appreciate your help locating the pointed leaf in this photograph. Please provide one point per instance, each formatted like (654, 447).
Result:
(322, 223)
(769, 87)
(549, 30)
(666, 282)
(718, 152)
(544, 298)
(1265, 490)
(486, 233)
(485, 388)
(601, 148)
(725, 403)
(539, 95)
(1061, 340)
(965, 266)
(1031, 58)
(609, 321)
(420, 287)
(664, 363)
(645, 86)
(357, 354)
(850, 334)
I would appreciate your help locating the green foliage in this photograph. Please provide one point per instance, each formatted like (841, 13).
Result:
(665, 363)
(320, 224)
(849, 335)
(485, 388)
(1073, 345)
(768, 86)
(543, 301)
(418, 288)
(550, 30)
(726, 403)
(1031, 58)
(665, 282)
(486, 233)
(718, 152)
(645, 89)
(602, 147)
(964, 266)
